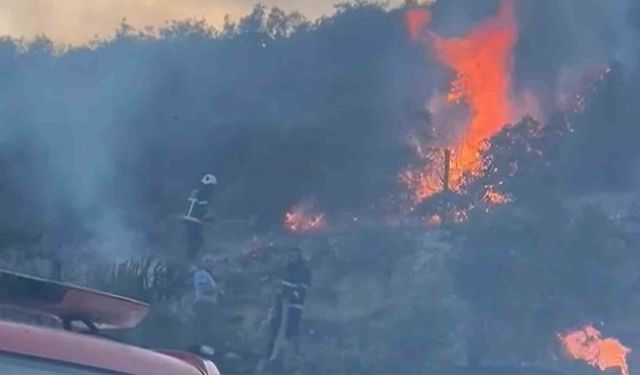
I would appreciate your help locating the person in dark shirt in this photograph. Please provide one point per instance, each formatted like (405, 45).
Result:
(284, 328)
(198, 212)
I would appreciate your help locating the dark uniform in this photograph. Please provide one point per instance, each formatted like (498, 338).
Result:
(295, 283)
(197, 213)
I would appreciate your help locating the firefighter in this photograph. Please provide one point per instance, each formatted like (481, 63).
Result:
(198, 213)
(284, 328)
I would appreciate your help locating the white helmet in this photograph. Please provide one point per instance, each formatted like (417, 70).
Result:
(209, 179)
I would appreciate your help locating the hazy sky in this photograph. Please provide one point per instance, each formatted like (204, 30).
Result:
(76, 21)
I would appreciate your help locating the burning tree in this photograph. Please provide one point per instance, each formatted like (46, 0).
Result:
(482, 63)
(515, 164)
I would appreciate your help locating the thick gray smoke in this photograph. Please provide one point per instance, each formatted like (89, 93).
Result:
(560, 41)
(64, 111)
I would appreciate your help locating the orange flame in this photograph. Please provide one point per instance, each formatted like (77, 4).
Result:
(416, 20)
(434, 221)
(456, 216)
(588, 345)
(482, 61)
(492, 196)
(422, 184)
(301, 218)
(459, 216)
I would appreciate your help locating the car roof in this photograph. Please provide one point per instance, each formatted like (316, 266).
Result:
(70, 302)
(91, 351)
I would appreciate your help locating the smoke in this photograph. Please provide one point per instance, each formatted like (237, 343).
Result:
(561, 41)
(626, 18)
(558, 40)
(68, 110)
(103, 141)
(454, 17)
(120, 133)
(114, 240)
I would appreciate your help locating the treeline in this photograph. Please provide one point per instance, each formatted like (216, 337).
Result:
(280, 108)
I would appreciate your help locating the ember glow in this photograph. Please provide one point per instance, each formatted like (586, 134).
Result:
(482, 62)
(577, 101)
(459, 216)
(302, 219)
(434, 221)
(427, 180)
(587, 345)
(495, 197)
(422, 183)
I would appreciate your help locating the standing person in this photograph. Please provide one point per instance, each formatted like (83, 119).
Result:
(198, 213)
(284, 329)
(207, 292)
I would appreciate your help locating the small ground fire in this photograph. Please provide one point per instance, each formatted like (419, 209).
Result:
(587, 345)
(303, 218)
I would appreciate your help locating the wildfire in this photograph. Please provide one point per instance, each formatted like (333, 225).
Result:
(422, 183)
(492, 196)
(588, 345)
(434, 221)
(302, 218)
(459, 216)
(482, 62)
(416, 20)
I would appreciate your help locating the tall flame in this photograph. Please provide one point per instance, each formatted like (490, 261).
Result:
(416, 21)
(587, 344)
(482, 61)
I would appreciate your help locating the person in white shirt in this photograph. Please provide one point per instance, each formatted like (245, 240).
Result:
(207, 292)
(205, 286)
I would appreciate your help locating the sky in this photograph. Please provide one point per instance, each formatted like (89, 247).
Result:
(78, 21)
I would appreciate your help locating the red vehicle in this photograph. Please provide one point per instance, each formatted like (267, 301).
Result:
(78, 348)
